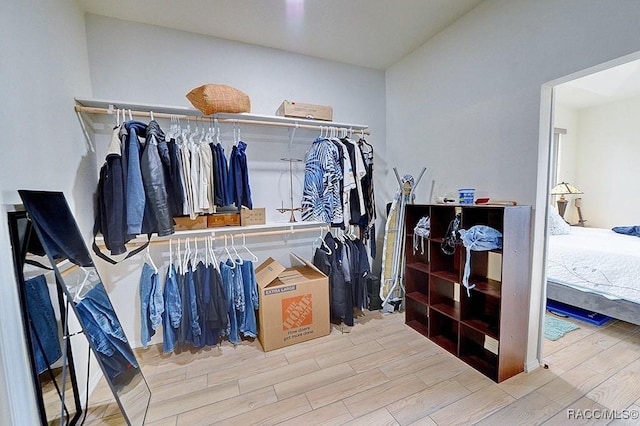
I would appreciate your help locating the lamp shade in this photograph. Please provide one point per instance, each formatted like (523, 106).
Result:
(564, 188)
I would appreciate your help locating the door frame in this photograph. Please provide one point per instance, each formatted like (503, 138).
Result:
(535, 355)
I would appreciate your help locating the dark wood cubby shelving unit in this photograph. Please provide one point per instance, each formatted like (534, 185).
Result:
(487, 329)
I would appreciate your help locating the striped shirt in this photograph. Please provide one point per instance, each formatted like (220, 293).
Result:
(321, 198)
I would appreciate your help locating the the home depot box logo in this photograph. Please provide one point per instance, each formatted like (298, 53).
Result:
(297, 311)
(294, 303)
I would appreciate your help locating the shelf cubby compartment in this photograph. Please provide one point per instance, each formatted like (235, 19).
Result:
(479, 350)
(421, 255)
(413, 214)
(484, 265)
(441, 216)
(417, 278)
(444, 297)
(442, 263)
(481, 310)
(443, 330)
(416, 313)
(483, 215)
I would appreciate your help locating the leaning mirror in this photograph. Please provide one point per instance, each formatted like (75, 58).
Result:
(61, 239)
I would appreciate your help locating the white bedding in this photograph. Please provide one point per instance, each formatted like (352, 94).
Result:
(596, 260)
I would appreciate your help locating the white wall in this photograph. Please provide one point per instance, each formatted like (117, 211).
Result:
(606, 163)
(567, 118)
(147, 64)
(467, 104)
(42, 67)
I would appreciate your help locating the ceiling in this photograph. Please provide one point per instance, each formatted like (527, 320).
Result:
(369, 33)
(613, 84)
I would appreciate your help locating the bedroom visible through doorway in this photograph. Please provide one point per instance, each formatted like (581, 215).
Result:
(579, 107)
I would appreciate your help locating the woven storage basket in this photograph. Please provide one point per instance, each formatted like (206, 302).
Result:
(214, 98)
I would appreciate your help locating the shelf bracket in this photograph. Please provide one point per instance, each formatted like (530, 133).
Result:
(292, 134)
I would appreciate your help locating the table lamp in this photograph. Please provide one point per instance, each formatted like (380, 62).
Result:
(562, 189)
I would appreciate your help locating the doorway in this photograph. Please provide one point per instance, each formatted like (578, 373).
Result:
(601, 84)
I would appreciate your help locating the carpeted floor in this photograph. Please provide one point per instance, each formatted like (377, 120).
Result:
(555, 328)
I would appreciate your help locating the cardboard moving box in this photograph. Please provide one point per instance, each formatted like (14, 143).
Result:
(294, 303)
(307, 111)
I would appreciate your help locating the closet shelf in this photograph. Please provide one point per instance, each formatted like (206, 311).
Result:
(274, 228)
(97, 106)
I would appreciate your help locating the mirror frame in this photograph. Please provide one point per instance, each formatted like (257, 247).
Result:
(28, 197)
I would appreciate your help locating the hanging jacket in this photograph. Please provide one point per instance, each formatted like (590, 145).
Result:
(340, 298)
(135, 195)
(216, 319)
(153, 178)
(238, 183)
(172, 315)
(234, 296)
(111, 214)
(173, 177)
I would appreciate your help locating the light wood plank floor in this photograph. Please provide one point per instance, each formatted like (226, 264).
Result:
(381, 372)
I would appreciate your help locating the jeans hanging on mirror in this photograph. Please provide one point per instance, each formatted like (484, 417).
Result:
(45, 339)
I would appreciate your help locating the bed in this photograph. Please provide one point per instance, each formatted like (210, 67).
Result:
(597, 270)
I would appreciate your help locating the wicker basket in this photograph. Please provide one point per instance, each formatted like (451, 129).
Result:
(214, 98)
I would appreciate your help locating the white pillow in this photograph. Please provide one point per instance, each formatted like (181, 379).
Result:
(557, 225)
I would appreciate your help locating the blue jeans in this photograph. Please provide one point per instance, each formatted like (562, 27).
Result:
(194, 332)
(172, 315)
(45, 339)
(151, 303)
(248, 325)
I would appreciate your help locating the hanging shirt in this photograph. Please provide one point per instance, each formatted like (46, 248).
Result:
(195, 178)
(357, 196)
(206, 178)
(348, 181)
(321, 199)
(186, 175)
(175, 178)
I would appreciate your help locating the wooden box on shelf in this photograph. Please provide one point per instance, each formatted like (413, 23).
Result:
(256, 216)
(185, 223)
(223, 219)
(486, 328)
(307, 111)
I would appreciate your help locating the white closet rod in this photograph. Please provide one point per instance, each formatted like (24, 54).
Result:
(235, 236)
(95, 110)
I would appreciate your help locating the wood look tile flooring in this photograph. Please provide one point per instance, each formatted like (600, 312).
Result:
(381, 372)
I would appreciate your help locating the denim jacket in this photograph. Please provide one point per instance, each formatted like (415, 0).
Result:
(234, 295)
(151, 303)
(135, 196)
(104, 330)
